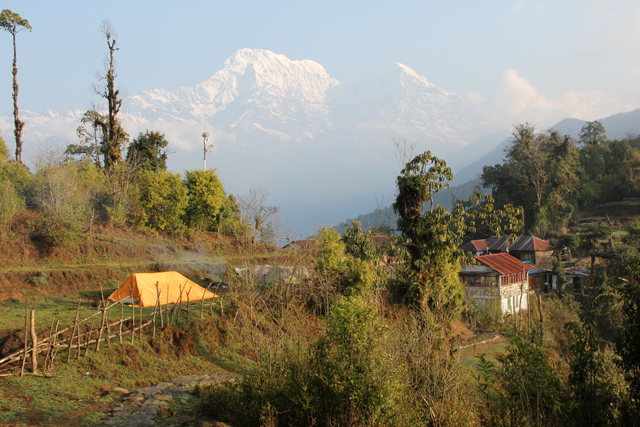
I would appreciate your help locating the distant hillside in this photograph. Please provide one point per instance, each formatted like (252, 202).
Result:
(619, 126)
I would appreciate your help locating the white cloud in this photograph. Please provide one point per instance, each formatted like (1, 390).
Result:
(518, 100)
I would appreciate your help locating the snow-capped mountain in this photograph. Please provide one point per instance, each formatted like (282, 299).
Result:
(260, 94)
(257, 91)
(316, 143)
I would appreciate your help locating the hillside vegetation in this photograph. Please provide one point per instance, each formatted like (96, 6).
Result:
(359, 335)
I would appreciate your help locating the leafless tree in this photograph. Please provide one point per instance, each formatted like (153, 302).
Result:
(258, 215)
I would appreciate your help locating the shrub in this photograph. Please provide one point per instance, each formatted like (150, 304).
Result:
(10, 202)
(163, 201)
(206, 198)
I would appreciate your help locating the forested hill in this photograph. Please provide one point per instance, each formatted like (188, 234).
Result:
(383, 217)
(557, 179)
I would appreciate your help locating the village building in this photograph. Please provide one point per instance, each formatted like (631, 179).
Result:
(490, 245)
(540, 280)
(534, 249)
(497, 282)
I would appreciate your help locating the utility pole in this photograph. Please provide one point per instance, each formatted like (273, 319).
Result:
(205, 135)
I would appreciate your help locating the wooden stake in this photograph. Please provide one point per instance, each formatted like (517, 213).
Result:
(133, 314)
(541, 316)
(188, 305)
(49, 347)
(34, 343)
(168, 308)
(202, 306)
(529, 313)
(86, 350)
(73, 331)
(79, 344)
(180, 301)
(155, 310)
(140, 316)
(102, 322)
(26, 337)
(160, 306)
(54, 353)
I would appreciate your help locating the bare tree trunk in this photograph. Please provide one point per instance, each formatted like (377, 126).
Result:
(18, 124)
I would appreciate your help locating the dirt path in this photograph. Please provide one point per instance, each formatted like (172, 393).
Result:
(152, 406)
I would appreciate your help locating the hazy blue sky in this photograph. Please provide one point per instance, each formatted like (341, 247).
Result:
(578, 58)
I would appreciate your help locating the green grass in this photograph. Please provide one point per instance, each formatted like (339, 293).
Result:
(80, 391)
(469, 355)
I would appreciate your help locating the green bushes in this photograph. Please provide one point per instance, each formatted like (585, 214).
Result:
(10, 202)
(526, 388)
(206, 199)
(163, 201)
(346, 377)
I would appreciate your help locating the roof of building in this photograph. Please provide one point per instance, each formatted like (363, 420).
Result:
(503, 263)
(534, 269)
(530, 244)
(380, 240)
(479, 245)
(497, 243)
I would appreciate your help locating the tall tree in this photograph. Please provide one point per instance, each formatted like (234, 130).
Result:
(114, 135)
(593, 133)
(431, 234)
(149, 149)
(91, 135)
(13, 23)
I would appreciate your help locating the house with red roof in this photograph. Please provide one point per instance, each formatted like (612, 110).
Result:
(497, 281)
(493, 245)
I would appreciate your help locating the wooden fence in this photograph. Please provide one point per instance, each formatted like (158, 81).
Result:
(78, 339)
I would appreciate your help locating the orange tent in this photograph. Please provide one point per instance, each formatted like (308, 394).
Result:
(140, 289)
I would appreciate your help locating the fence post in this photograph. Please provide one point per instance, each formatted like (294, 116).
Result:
(188, 305)
(54, 352)
(168, 309)
(133, 314)
(34, 342)
(541, 316)
(73, 332)
(26, 337)
(202, 306)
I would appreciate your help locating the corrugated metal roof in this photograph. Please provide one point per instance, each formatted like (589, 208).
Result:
(479, 245)
(497, 243)
(503, 262)
(533, 269)
(530, 244)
